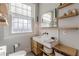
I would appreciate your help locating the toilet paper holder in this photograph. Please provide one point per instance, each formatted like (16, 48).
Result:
(15, 46)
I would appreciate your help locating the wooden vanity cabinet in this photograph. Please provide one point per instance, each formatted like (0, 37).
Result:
(36, 48)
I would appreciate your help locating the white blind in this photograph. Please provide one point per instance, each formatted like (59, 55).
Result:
(21, 18)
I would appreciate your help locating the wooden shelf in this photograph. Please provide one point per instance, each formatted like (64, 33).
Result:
(68, 16)
(64, 5)
(65, 50)
(71, 28)
(74, 27)
(70, 13)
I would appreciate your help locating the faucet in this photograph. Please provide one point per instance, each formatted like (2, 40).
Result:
(45, 33)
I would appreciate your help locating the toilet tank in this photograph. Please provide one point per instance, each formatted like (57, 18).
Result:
(3, 50)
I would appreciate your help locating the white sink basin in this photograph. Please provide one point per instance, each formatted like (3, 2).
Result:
(45, 41)
(49, 41)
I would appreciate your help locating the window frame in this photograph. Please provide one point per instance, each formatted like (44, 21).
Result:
(18, 24)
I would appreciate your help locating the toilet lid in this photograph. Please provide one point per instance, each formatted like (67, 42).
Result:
(19, 53)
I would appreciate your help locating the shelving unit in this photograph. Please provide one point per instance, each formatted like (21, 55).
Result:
(64, 5)
(67, 27)
(68, 15)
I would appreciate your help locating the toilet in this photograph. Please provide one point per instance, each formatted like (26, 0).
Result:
(18, 53)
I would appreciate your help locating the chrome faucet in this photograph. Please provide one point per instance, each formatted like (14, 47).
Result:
(45, 33)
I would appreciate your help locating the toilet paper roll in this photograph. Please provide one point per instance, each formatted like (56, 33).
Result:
(16, 45)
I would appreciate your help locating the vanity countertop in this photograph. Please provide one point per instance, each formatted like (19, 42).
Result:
(44, 41)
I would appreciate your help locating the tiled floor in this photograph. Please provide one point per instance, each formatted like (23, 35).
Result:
(30, 54)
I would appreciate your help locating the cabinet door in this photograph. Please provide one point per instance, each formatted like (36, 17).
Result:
(34, 50)
(40, 53)
(34, 47)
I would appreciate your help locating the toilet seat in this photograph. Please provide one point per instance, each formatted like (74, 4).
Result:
(19, 53)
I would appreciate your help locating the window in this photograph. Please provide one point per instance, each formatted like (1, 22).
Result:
(21, 18)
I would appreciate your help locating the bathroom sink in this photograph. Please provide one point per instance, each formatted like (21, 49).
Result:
(44, 41)
(49, 41)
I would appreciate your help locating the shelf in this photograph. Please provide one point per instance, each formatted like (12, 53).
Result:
(62, 17)
(66, 50)
(64, 5)
(70, 27)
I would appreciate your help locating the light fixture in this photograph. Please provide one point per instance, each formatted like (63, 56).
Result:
(3, 20)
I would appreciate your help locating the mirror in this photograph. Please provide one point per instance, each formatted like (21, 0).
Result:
(49, 19)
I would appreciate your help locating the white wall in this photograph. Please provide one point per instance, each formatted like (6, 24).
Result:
(9, 39)
(69, 37)
(1, 33)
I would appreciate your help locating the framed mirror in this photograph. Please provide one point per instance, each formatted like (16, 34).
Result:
(48, 19)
